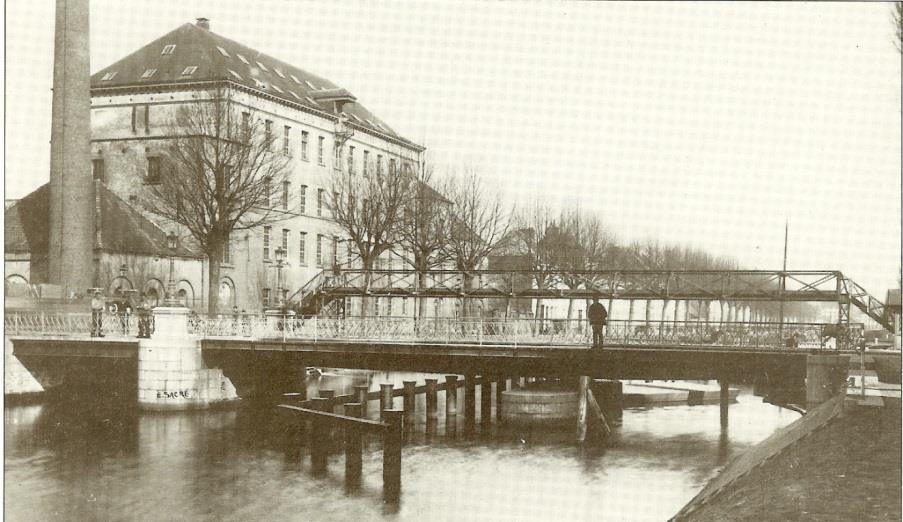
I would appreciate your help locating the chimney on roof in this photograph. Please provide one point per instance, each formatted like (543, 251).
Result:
(203, 23)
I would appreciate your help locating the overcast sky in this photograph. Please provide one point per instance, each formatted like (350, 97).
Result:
(698, 123)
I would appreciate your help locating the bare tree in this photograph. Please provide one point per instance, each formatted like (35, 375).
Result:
(479, 221)
(216, 176)
(425, 227)
(369, 211)
(541, 238)
(588, 245)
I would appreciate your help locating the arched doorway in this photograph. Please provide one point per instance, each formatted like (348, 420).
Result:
(185, 293)
(227, 296)
(154, 293)
(16, 285)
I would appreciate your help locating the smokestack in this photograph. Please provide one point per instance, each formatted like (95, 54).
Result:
(71, 249)
(203, 23)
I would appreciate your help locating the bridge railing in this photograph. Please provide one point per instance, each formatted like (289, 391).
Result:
(70, 324)
(553, 332)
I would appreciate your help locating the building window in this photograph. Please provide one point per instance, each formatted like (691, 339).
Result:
(245, 126)
(153, 170)
(335, 251)
(320, 146)
(319, 202)
(302, 247)
(302, 197)
(188, 71)
(304, 145)
(223, 52)
(319, 250)
(268, 193)
(268, 134)
(285, 192)
(236, 75)
(392, 167)
(97, 171)
(262, 66)
(148, 73)
(337, 159)
(366, 160)
(285, 234)
(169, 49)
(266, 242)
(109, 76)
(285, 143)
(243, 59)
(266, 297)
(379, 166)
(350, 160)
(227, 251)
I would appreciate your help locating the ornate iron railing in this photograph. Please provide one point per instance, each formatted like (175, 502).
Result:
(408, 330)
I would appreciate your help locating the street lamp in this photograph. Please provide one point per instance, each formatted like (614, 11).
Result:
(280, 262)
(172, 241)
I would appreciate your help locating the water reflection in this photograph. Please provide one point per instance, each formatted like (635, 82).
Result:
(88, 461)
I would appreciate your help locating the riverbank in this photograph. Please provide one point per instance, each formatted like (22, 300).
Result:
(841, 461)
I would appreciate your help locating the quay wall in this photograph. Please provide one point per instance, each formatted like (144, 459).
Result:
(16, 379)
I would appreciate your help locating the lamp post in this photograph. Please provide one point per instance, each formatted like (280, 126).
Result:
(280, 262)
(172, 242)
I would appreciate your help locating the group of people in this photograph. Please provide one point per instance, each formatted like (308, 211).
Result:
(123, 310)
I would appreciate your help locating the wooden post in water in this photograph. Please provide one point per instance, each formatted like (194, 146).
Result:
(582, 385)
(485, 401)
(501, 385)
(432, 401)
(451, 395)
(385, 399)
(353, 458)
(725, 401)
(409, 401)
(318, 437)
(360, 394)
(470, 402)
(392, 441)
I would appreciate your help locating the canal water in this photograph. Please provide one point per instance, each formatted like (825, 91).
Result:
(85, 459)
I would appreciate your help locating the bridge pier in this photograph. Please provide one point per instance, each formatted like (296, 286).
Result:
(485, 401)
(724, 401)
(826, 376)
(432, 401)
(470, 402)
(171, 371)
(451, 396)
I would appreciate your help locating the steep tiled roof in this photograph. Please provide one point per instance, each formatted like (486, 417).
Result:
(169, 60)
(123, 229)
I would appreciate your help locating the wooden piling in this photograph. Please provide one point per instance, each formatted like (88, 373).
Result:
(470, 401)
(725, 401)
(500, 386)
(485, 401)
(353, 446)
(360, 394)
(385, 399)
(432, 401)
(319, 435)
(392, 441)
(409, 401)
(582, 386)
(451, 395)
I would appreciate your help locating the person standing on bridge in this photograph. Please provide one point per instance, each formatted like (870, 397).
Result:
(97, 305)
(598, 318)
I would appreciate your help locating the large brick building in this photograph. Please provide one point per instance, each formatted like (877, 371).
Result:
(321, 127)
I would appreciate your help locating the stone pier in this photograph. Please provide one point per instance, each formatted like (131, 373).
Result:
(171, 371)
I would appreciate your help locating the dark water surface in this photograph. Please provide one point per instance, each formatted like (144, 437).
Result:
(83, 460)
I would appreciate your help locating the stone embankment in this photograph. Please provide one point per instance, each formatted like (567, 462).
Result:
(841, 461)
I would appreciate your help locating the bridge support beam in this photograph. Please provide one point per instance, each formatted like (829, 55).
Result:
(826, 376)
(485, 401)
(171, 371)
(432, 401)
(470, 402)
(385, 399)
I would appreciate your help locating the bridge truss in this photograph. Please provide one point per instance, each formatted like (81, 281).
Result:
(705, 285)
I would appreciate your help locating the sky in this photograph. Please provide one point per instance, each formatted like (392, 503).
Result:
(705, 124)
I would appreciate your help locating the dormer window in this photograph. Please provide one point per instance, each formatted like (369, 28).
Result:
(310, 85)
(357, 118)
(296, 79)
(243, 59)
(109, 76)
(262, 66)
(278, 72)
(189, 70)
(148, 73)
(294, 94)
(169, 49)
(311, 100)
(236, 75)
(223, 51)
(278, 89)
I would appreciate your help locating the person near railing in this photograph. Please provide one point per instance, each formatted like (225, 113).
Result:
(143, 317)
(598, 318)
(97, 306)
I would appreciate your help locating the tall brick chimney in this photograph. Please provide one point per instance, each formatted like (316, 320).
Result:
(71, 252)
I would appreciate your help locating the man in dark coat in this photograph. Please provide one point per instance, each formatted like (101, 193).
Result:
(598, 317)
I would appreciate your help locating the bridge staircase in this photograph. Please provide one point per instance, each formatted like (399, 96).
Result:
(861, 299)
(313, 298)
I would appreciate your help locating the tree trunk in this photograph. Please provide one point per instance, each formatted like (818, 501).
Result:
(213, 270)
(365, 298)
(630, 313)
(648, 313)
(570, 310)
